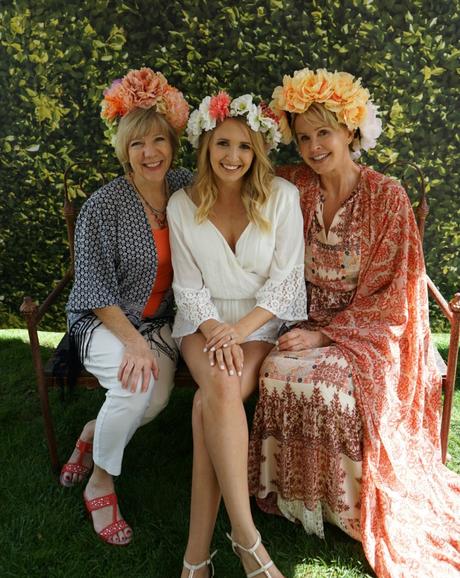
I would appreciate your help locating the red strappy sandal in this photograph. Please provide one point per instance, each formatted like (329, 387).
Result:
(77, 467)
(117, 525)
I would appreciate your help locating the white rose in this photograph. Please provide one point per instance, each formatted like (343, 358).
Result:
(194, 128)
(241, 105)
(370, 128)
(206, 122)
(254, 118)
(204, 105)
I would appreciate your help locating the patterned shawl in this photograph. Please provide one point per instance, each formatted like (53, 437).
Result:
(115, 259)
(410, 502)
(115, 253)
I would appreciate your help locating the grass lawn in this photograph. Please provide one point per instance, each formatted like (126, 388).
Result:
(43, 529)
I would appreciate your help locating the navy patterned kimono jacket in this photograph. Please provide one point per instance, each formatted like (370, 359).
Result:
(115, 257)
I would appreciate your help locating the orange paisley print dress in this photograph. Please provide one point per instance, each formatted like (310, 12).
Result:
(349, 433)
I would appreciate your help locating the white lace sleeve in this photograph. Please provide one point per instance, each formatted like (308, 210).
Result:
(284, 292)
(286, 299)
(195, 305)
(193, 299)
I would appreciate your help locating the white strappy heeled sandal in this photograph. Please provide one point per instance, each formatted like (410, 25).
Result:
(263, 567)
(192, 568)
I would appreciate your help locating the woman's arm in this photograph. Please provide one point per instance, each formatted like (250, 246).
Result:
(138, 359)
(192, 297)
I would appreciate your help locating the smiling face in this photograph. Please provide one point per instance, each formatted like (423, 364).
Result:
(323, 147)
(140, 129)
(150, 156)
(230, 151)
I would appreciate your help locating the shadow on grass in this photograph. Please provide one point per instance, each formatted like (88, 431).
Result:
(43, 527)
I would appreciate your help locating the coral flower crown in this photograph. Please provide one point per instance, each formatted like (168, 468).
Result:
(340, 93)
(214, 109)
(145, 89)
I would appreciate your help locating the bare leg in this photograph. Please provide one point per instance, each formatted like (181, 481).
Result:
(86, 435)
(223, 444)
(205, 497)
(101, 484)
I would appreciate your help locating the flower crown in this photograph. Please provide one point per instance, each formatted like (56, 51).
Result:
(214, 109)
(144, 88)
(340, 93)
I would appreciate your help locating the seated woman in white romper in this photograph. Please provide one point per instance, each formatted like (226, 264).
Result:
(236, 242)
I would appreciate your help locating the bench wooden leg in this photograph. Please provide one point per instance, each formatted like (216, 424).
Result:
(28, 309)
(449, 384)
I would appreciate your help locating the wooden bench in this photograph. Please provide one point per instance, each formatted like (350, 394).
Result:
(47, 378)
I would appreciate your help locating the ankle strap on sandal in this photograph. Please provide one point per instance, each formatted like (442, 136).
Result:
(84, 447)
(252, 550)
(193, 567)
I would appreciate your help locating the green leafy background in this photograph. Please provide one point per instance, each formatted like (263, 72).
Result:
(56, 58)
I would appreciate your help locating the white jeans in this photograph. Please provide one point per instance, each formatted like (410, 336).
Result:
(123, 411)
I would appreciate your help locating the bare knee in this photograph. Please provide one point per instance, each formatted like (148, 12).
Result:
(220, 391)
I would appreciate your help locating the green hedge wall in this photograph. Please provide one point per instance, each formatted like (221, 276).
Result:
(56, 58)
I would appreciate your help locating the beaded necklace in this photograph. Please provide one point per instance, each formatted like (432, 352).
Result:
(158, 214)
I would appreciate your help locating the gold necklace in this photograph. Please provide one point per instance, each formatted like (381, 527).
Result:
(158, 214)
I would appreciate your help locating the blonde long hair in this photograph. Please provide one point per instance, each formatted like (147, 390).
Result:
(257, 182)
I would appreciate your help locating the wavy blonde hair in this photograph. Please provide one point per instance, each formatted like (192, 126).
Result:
(257, 182)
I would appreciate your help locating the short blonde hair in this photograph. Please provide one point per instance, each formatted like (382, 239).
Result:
(257, 181)
(137, 124)
(317, 114)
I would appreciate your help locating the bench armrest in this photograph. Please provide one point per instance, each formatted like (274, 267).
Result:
(33, 312)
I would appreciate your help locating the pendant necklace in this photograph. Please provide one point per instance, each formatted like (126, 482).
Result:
(158, 214)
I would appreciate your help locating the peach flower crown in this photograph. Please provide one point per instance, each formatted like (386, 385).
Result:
(145, 89)
(216, 108)
(340, 93)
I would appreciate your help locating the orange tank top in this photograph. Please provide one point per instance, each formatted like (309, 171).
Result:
(164, 276)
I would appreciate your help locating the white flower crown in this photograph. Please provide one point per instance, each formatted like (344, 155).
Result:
(214, 109)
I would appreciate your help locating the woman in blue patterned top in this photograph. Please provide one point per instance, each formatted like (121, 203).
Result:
(120, 308)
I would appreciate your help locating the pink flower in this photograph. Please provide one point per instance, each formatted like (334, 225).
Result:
(143, 87)
(116, 83)
(268, 112)
(114, 103)
(219, 106)
(175, 108)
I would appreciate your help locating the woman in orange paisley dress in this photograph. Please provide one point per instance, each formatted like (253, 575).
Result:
(346, 428)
